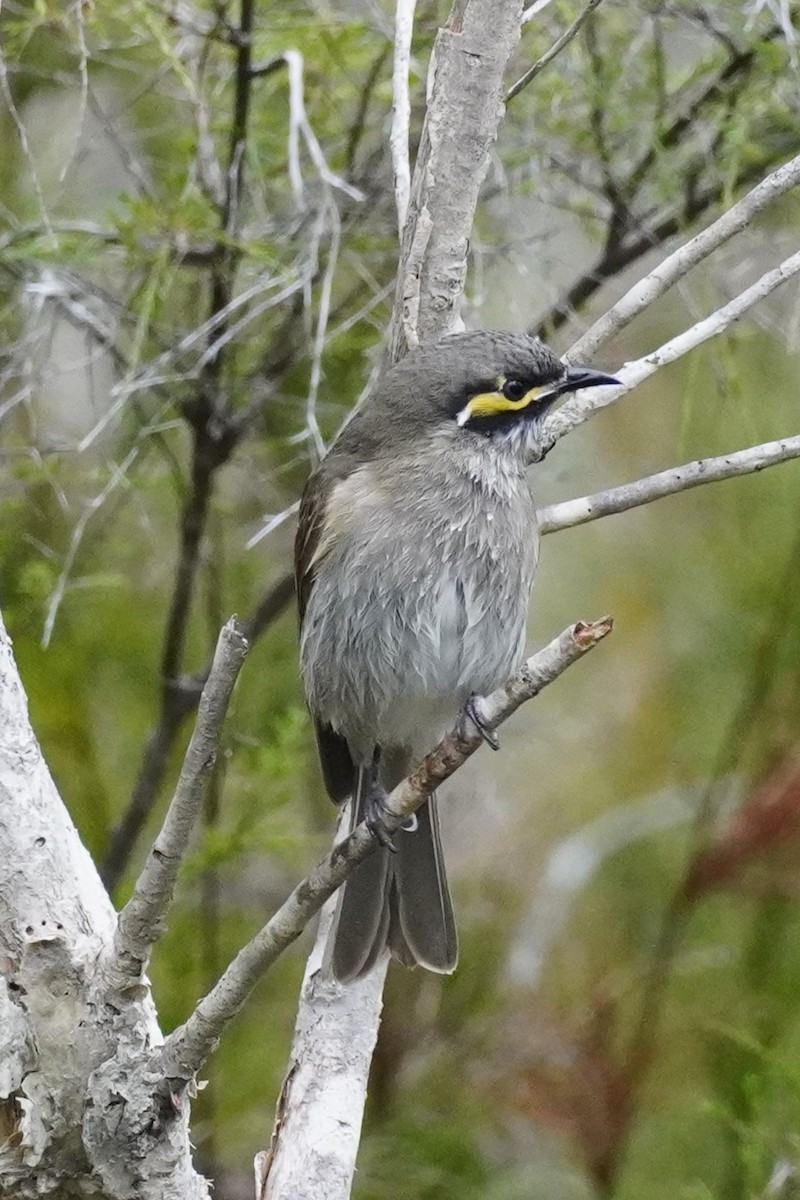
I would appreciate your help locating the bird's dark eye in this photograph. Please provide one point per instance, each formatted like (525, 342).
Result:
(514, 389)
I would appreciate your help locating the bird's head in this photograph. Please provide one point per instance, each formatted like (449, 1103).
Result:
(490, 385)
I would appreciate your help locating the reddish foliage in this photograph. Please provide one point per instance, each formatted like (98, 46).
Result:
(769, 817)
(569, 1082)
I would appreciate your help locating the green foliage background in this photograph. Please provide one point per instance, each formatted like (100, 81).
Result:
(507, 1080)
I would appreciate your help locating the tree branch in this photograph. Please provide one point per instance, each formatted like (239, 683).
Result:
(461, 124)
(78, 1115)
(678, 264)
(554, 517)
(187, 1048)
(620, 251)
(553, 52)
(462, 118)
(401, 108)
(184, 696)
(319, 1125)
(140, 921)
(576, 411)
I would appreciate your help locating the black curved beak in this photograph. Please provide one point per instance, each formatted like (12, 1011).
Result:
(581, 377)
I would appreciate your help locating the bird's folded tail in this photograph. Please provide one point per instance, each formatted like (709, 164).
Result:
(397, 900)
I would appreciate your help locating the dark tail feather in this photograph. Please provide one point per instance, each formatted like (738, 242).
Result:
(421, 927)
(397, 900)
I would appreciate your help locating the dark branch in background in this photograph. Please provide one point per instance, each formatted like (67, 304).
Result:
(617, 258)
(360, 123)
(628, 235)
(616, 196)
(270, 607)
(553, 52)
(183, 700)
(213, 441)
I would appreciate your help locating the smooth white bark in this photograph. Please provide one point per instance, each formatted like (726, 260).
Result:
(463, 115)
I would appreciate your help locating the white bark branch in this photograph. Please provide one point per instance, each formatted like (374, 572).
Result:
(554, 517)
(678, 264)
(140, 921)
(401, 108)
(188, 1047)
(576, 411)
(321, 1105)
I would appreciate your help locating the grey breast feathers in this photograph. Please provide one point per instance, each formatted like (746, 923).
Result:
(420, 588)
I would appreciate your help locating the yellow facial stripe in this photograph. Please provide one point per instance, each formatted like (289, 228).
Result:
(489, 404)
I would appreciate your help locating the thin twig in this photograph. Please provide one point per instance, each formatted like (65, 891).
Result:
(187, 1048)
(139, 922)
(182, 698)
(118, 476)
(678, 264)
(576, 411)
(323, 315)
(569, 513)
(553, 52)
(401, 108)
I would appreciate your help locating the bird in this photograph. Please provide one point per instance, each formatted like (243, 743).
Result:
(414, 559)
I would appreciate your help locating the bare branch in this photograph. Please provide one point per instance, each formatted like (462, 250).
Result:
(565, 515)
(553, 52)
(678, 264)
(576, 411)
(118, 475)
(187, 1048)
(139, 922)
(461, 123)
(300, 126)
(628, 240)
(317, 1126)
(401, 107)
(180, 697)
(323, 315)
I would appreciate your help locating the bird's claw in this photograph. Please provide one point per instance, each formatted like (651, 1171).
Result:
(375, 817)
(474, 710)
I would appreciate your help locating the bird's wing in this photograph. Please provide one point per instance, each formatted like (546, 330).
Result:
(309, 532)
(338, 770)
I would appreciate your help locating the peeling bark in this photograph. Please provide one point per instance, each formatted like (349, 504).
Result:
(82, 1111)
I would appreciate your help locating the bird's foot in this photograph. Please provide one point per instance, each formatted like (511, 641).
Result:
(475, 711)
(375, 814)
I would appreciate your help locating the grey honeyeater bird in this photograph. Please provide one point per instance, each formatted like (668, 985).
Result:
(415, 555)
